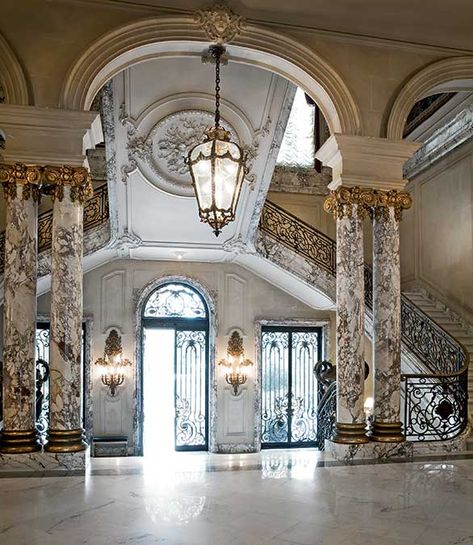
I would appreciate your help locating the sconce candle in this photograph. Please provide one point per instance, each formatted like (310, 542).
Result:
(235, 361)
(113, 363)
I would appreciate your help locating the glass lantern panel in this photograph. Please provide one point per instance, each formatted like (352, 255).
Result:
(205, 149)
(226, 181)
(203, 182)
(228, 147)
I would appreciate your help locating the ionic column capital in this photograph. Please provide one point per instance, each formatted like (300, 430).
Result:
(393, 199)
(342, 201)
(19, 174)
(76, 178)
(49, 179)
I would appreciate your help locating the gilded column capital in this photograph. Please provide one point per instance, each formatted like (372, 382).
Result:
(77, 178)
(19, 174)
(341, 202)
(398, 200)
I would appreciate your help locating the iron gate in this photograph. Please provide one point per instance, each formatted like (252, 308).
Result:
(289, 390)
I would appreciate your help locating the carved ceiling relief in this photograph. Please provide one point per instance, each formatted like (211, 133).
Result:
(160, 155)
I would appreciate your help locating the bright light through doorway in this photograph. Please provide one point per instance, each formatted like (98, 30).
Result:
(158, 390)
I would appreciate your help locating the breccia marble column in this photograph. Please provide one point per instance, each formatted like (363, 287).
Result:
(387, 209)
(69, 187)
(350, 207)
(20, 184)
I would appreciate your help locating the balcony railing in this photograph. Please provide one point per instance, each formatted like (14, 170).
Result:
(96, 213)
(435, 402)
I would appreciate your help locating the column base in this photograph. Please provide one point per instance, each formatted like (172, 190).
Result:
(42, 464)
(19, 441)
(387, 432)
(65, 441)
(350, 434)
(369, 452)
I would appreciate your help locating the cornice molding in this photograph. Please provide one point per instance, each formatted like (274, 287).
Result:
(362, 39)
(47, 135)
(444, 140)
(366, 161)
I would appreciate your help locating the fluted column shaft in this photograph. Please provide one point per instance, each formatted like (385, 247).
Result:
(349, 208)
(19, 372)
(387, 426)
(65, 428)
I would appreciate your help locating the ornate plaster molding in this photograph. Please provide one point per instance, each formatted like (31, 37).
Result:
(423, 83)
(220, 23)
(449, 137)
(287, 57)
(13, 78)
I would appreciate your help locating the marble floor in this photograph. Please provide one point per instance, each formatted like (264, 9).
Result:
(287, 500)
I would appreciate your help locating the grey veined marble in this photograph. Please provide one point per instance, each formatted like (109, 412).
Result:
(386, 316)
(66, 314)
(350, 319)
(19, 312)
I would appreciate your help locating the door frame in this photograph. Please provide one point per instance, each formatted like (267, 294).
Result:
(325, 325)
(141, 297)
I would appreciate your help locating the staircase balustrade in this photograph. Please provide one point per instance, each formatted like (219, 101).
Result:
(435, 402)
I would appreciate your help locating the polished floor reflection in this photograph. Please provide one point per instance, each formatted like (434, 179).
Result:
(287, 501)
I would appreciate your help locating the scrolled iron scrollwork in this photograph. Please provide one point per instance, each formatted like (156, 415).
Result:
(443, 411)
(298, 236)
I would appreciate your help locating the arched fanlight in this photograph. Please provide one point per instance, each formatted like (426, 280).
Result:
(217, 165)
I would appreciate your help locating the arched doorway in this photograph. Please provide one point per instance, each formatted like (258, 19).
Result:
(175, 348)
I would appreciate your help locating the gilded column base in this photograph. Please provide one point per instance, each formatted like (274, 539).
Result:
(387, 432)
(65, 441)
(350, 434)
(19, 441)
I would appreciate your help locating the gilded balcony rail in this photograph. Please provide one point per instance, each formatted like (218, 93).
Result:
(435, 402)
(96, 213)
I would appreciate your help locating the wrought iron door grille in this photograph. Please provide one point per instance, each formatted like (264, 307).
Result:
(289, 393)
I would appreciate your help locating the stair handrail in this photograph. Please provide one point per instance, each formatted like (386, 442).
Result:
(285, 227)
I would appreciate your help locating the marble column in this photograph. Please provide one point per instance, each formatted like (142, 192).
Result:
(387, 426)
(349, 206)
(70, 188)
(19, 371)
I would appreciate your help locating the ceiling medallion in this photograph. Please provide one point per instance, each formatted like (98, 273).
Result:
(160, 156)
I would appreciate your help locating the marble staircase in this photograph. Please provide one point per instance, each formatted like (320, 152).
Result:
(453, 324)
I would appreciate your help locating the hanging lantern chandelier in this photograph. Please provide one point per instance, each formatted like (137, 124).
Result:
(217, 165)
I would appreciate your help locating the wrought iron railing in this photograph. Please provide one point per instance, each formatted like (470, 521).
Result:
(435, 402)
(298, 236)
(96, 212)
(326, 401)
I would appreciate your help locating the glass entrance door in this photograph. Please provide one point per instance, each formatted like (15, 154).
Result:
(289, 389)
(175, 380)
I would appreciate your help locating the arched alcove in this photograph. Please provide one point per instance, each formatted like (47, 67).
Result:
(179, 35)
(12, 77)
(445, 75)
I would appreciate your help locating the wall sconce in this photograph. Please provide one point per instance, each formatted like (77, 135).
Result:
(113, 363)
(235, 361)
